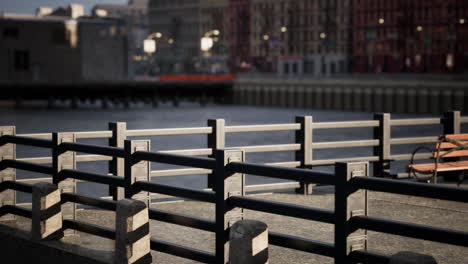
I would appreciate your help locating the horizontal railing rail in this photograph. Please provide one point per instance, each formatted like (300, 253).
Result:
(282, 173)
(411, 188)
(418, 231)
(303, 212)
(133, 177)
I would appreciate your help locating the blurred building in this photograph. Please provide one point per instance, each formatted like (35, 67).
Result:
(214, 25)
(239, 35)
(135, 16)
(61, 46)
(410, 36)
(292, 37)
(176, 25)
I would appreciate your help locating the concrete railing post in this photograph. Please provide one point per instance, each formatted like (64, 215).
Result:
(61, 161)
(132, 233)
(227, 184)
(46, 212)
(136, 171)
(116, 165)
(304, 155)
(248, 242)
(7, 151)
(407, 257)
(349, 203)
(216, 140)
(383, 134)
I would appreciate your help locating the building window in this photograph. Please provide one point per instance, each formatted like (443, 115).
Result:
(10, 32)
(21, 60)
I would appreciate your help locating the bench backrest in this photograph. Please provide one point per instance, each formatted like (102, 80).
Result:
(448, 146)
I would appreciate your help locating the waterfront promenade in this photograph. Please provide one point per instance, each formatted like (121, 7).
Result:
(431, 212)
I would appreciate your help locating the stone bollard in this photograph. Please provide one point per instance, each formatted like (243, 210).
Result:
(132, 235)
(406, 257)
(46, 212)
(248, 242)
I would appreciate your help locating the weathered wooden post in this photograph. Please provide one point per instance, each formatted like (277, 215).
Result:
(382, 132)
(7, 151)
(216, 140)
(304, 155)
(248, 242)
(407, 257)
(136, 170)
(349, 203)
(132, 233)
(227, 184)
(46, 212)
(62, 160)
(117, 165)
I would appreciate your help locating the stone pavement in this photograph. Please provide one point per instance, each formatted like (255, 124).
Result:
(431, 212)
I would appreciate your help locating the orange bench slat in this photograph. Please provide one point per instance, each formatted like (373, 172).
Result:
(446, 166)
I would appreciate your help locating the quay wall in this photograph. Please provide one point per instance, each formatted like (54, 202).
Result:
(396, 96)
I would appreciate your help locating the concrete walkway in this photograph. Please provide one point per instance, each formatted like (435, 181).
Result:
(431, 212)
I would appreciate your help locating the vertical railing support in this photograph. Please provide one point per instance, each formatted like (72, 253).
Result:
(381, 168)
(132, 233)
(46, 212)
(7, 151)
(116, 165)
(60, 161)
(136, 170)
(304, 155)
(216, 140)
(227, 184)
(248, 242)
(349, 203)
(451, 122)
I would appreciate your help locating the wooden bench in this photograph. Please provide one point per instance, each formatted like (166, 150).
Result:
(448, 146)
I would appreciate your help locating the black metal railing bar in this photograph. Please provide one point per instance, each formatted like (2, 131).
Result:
(301, 244)
(22, 165)
(93, 149)
(292, 174)
(181, 251)
(435, 234)
(17, 186)
(15, 210)
(292, 210)
(89, 228)
(91, 177)
(457, 194)
(198, 162)
(199, 195)
(367, 257)
(182, 220)
(32, 142)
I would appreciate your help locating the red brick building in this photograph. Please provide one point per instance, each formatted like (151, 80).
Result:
(410, 36)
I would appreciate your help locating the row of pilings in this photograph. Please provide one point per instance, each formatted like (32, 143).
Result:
(354, 95)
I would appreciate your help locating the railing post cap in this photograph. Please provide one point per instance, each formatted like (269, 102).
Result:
(407, 257)
(44, 188)
(131, 206)
(250, 228)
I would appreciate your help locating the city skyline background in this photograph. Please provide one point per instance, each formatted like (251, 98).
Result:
(29, 7)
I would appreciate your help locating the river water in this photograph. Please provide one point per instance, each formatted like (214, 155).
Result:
(88, 118)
